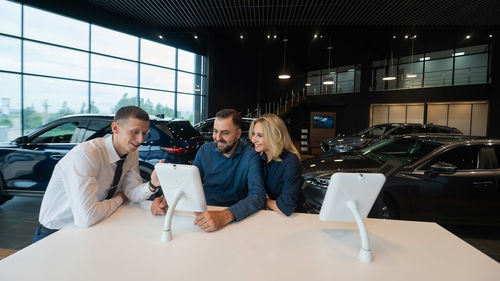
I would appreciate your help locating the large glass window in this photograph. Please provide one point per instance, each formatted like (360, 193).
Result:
(110, 42)
(59, 65)
(10, 54)
(471, 69)
(157, 78)
(10, 98)
(107, 99)
(185, 107)
(156, 53)
(55, 61)
(10, 18)
(461, 66)
(186, 61)
(111, 70)
(56, 29)
(46, 99)
(155, 103)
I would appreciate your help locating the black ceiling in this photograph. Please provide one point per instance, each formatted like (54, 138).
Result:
(198, 15)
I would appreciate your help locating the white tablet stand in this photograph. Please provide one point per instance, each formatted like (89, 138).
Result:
(349, 198)
(181, 185)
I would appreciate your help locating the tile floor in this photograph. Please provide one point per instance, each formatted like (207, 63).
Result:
(19, 218)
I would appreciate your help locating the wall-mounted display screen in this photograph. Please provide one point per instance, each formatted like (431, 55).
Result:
(323, 122)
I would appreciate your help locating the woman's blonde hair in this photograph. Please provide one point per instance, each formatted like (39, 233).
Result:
(276, 136)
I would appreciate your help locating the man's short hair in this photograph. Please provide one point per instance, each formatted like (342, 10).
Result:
(127, 112)
(226, 113)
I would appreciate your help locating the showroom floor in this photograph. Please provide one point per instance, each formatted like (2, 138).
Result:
(19, 218)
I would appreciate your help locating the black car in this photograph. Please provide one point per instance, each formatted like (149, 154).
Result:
(26, 163)
(443, 178)
(380, 132)
(206, 128)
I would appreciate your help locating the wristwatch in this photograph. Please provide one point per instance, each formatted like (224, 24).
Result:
(153, 187)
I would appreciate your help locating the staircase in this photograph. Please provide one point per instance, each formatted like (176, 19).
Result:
(281, 107)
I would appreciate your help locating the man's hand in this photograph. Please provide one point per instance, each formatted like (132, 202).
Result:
(159, 206)
(122, 195)
(213, 220)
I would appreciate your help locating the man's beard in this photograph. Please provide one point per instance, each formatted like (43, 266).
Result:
(226, 149)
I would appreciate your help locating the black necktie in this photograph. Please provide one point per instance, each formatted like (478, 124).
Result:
(116, 178)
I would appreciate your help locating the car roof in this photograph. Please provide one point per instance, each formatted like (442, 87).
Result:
(448, 138)
(111, 116)
(413, 125)
(247, 119)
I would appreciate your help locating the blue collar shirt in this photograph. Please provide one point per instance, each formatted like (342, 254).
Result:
(235, 181)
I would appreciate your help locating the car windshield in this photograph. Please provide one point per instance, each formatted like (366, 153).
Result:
(374, 132)
(180, 130)
(402, 149)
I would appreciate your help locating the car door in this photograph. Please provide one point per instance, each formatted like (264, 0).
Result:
(464, 196)
(29, 168)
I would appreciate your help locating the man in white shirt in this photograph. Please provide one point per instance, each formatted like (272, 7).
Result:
(84, 189)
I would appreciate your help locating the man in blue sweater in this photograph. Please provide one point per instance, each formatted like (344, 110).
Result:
(231, 173)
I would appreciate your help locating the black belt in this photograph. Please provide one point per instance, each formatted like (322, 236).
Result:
(47, 231)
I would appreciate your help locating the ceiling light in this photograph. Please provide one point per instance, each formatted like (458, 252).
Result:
(411, 75)
(458, 54)
(160, 36)
(467, 37)
(491, 35)
(241, 36)
(284, 75)
(406, 36)
(308, 84)
(315, 36)
(329, 81)
(394, 37)
(274, 36)
(196, 37)
(426, 58)
(268, 36)
(414, 36)
(389, 66)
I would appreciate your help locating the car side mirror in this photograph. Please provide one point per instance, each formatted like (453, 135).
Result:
(442, 168)
(21, 140)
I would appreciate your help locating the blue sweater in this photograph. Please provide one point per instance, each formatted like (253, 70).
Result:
(235, 181)
(284, 181)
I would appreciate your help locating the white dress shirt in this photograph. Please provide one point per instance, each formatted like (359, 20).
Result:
(81, 180)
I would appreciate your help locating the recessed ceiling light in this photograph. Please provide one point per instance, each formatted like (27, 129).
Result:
(268, 36)
(406, 36)
(160, 36)
(394, 37)
(241, 36)
(467, 37)
(196, 37)
(275, 36)
(315, 36)
(491, 35)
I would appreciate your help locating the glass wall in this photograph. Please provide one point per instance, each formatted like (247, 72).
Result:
(52, 66)
(336, 80)
(461, 66)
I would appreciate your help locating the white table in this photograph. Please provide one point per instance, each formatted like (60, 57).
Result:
(265, 246)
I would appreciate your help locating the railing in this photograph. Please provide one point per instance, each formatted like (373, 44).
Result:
(280, 107)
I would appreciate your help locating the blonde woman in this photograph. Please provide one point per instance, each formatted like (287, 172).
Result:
(281, 164)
